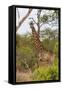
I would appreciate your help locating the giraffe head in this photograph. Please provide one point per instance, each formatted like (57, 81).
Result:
(31, 24)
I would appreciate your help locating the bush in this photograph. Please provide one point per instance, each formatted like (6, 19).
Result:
(43, 73)
(26, 58)
(25, 54)
(50, 44)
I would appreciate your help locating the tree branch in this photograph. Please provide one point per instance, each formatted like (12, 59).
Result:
(23, 19)
(47, 22)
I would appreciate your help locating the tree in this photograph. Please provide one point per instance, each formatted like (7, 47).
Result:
(50, 34)
(38, 23)
(23, 19)
(49, 19)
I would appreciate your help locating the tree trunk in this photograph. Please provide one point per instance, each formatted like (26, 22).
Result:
(38, 24)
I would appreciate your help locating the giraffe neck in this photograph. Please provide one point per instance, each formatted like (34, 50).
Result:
(37, 41)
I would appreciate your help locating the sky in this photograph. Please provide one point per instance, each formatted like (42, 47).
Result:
(25, 28)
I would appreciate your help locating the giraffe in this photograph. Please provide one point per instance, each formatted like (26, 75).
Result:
(42, 54)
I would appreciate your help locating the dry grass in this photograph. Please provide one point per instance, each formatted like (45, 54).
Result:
(23, 76)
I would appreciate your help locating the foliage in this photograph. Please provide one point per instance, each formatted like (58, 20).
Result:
(24, 52)
(25, 58)
(46, 73)
(44, 18)
(50, 45)
(56, 49)
(51, 16)
(49, 33)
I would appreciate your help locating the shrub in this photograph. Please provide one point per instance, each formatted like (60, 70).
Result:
(50, 44)
(25, 54)
(46, 73)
